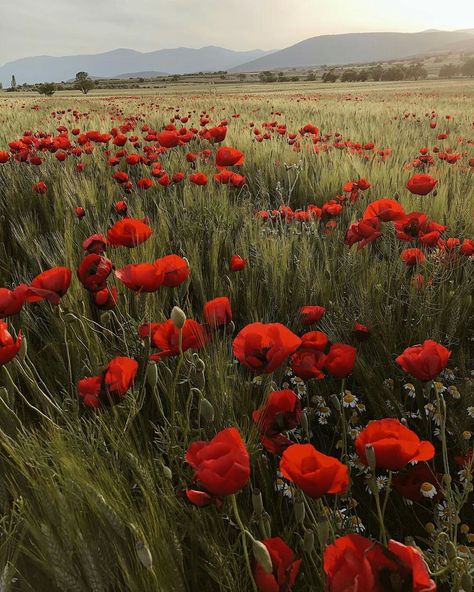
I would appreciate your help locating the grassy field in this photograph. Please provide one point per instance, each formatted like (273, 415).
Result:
(94, 499)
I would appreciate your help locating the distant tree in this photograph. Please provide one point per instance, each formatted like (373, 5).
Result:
(375, 73)
(415, 72)
(267, 76)
(449, 70)
(329, 76)
(83, 82)
(311, 76)
(13, 83)
(468, 68)
(242, 76)
(1, 86)
(393, 73)
(47, 88)
(362, 75)
(349, 75)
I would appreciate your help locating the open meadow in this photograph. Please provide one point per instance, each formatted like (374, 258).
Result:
(233, 314)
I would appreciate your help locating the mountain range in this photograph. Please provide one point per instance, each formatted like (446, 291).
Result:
(330, 50)
(181, 60)
(361, 48)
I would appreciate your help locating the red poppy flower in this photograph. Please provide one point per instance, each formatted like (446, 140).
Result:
(353, 563)
(363, 232)
(424, 362)
(360, 331)
(421, 184)
(111, 386)
(80, 212)
(40, 187)
(385, 209)
(201, 498)
(307, 363)
(168, 139)
(217, 312)
(412, 256)
(105, 299)
(394, 444)
(51, 284)
(237, 263)
(409, 484)
(467, 247)
(9, 347)
(285, 568)
(215, 134)
(121, 207)
(95, 243)
(11, 301)
(4, 157)
(281, 412)
(119, 375)
(198, 178)
(144, 183)
(314, 340)
(141, 277)
(311, 314)
(222, 466)
(175, 270)
(165, 337)
(226, 156)
(128, 232)
(313, 472)
(93, 272)
(340, 360)
(263, 347)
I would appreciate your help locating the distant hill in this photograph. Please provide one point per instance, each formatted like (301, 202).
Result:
(182, 60)
(356, 48)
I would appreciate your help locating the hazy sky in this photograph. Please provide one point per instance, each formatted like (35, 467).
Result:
(62, 27)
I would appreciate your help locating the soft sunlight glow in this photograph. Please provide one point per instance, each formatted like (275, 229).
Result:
(62, 27)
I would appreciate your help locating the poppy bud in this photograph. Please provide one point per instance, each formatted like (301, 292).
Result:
(167, 473)
(466, 582)
(323, 532)
(305, 423)
(336, 402)
(257, 501)
(370, 456)
(299, 510)
(199, 364)
(178, 317)
(451, 551)
(105, 318)
(262, 556)
(23, 350)
(206, 410)
(144, 554)
(308, 541)
(152, 375)
(265, 526)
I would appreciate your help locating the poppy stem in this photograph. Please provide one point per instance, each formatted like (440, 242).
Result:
(441, 404)
(343, 422)
(244, 533)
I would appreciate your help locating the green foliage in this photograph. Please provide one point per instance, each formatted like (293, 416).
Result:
(82, 493)
(83, 82)
(47, 88)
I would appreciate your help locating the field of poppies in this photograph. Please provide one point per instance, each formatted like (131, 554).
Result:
(236, 340)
